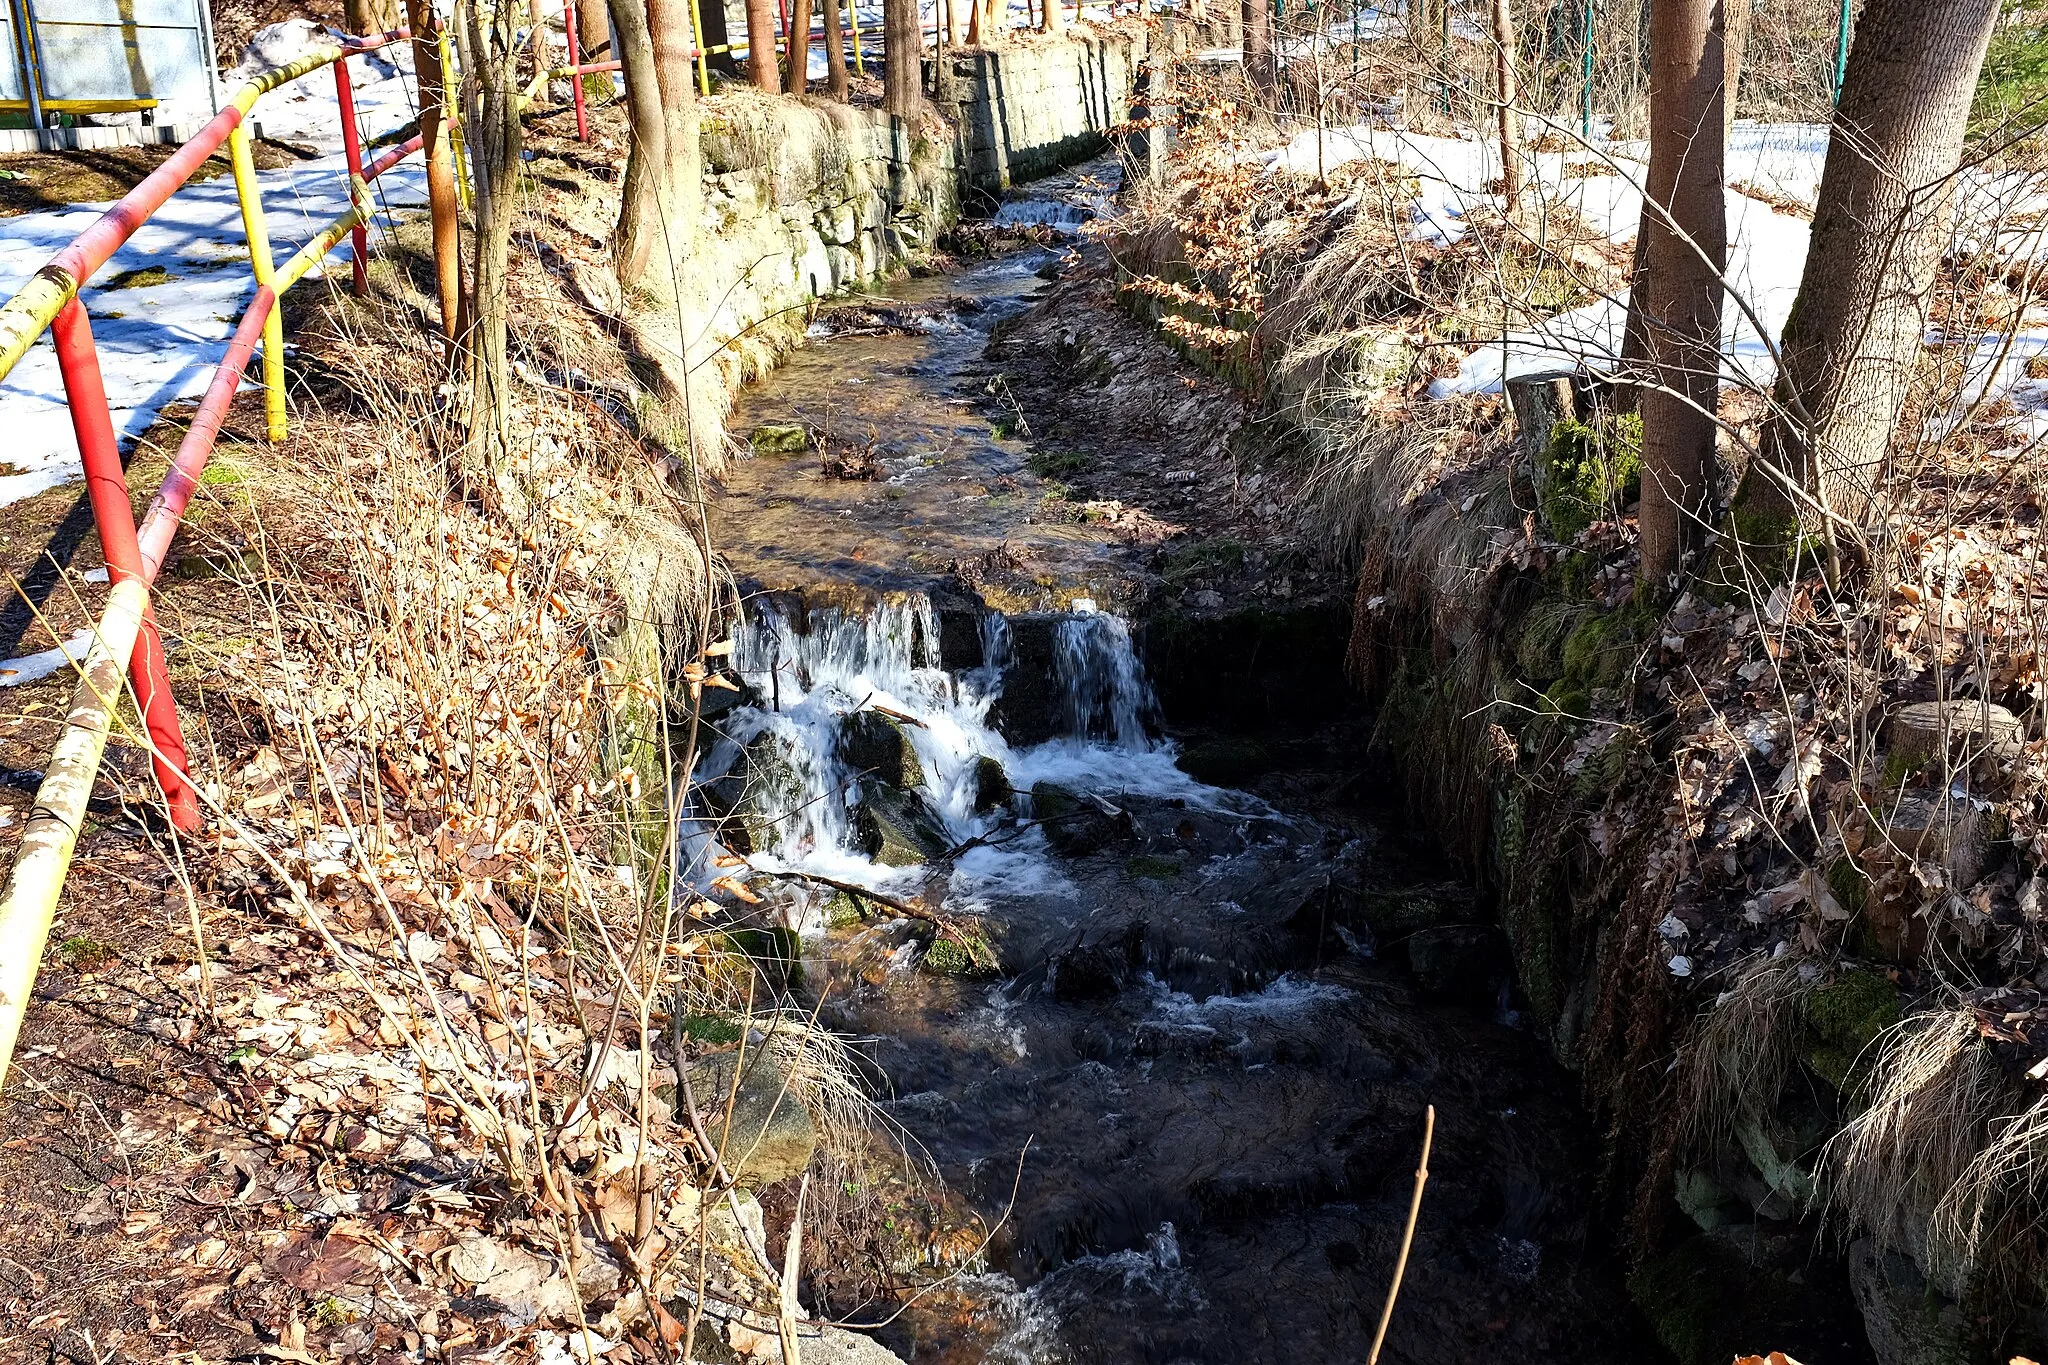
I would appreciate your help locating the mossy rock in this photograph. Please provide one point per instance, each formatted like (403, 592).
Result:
(1225, 762)
(879, 746)
(1843, 1018)
(753, 798)
(992, 787)
(772, 1137)
(776, 952)
(712, 1030)
(898, 828)
(1708, 1303)
(1073, 824)
(1397, 914)
(1590, 471)
(947, 956)
(845, 911)
(780, 438)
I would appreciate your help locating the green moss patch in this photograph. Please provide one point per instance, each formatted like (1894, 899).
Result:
(1147, 867)
(1590, 472)
(1843, 1018)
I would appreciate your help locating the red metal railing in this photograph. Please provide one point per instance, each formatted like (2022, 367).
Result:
(50, 302)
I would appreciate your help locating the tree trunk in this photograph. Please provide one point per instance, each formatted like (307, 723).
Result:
(594, 33)
(1510, 120)
(537, 19)
(365, 17)
(902, 54)
(426, 57)
(761, 46)
(1258, 46)
(1886, 194)
(836, 81)
(952, 21)
(1635, 344)
(974, 15)
(800, 46)
(995, 21)
(658, 208)
(491, 113)
(1055, 21)
(1685, 224)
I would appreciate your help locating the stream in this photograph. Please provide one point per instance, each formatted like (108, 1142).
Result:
(1189, 1099)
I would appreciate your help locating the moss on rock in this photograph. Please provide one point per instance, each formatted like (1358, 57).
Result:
(1590, 471)
(1844, 1017)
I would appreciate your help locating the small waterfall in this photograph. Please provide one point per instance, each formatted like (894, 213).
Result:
(798, 767)
(1107, 694)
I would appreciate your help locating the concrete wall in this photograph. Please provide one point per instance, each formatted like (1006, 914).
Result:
(1032, 108)
(803, 199)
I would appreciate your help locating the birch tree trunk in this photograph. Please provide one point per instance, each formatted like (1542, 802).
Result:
(1886, 197)
(1685, 234)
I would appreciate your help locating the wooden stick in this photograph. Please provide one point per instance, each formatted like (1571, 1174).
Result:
(1407, 1235)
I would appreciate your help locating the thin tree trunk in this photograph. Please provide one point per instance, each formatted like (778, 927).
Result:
(1685, 221)
(800, 46)
(489, 54)
(995, 21)
(974, 16)
(1055, 20)
(537, 18)
(1635, 342)
(952, 18)
(836, 81)
(1510, 121)
(1886, 196)
(644, 203)
(761, 46)
(902, 53)
(426, 58)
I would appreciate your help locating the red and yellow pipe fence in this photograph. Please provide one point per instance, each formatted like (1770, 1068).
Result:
(126, 639)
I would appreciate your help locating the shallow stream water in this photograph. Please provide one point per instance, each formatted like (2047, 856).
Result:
(1190, 1100)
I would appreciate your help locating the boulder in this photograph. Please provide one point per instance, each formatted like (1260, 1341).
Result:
(772, 1135)
(898, 828)
(1908, 1321)
(1075, 823)
(780, 438)
(755, 795)
(878, 746)
(991, 785)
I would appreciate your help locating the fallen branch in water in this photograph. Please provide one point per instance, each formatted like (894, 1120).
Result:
(970, 942)
(1407, 1235)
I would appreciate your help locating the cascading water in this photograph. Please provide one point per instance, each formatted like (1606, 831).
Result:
(787, 754)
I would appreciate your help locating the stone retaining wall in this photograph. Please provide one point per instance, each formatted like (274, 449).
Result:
(1029, 109)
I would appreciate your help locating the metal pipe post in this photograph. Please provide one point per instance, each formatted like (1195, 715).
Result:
(1842, 48)
(107, 486)
(358, 190)
(259, 261)
(860, 66)
(1586, 92)
(575, 76)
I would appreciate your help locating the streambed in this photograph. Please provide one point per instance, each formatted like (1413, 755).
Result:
(1189, 1099)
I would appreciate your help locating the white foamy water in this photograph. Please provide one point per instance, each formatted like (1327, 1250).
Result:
(809, 676)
